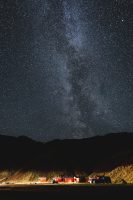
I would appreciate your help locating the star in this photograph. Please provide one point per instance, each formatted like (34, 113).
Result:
(65, 68)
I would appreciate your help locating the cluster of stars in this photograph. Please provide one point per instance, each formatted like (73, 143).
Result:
(66, 68)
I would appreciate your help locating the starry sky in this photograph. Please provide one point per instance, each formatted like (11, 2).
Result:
(66, 68)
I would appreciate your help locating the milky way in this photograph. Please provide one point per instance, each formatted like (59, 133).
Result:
(66, 68)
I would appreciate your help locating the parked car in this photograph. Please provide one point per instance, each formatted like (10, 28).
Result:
(99, 179)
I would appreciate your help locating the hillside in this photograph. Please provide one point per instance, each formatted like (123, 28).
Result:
(121, 174)
(99, 154)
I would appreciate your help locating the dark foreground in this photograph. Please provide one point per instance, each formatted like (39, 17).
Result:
(13, 192)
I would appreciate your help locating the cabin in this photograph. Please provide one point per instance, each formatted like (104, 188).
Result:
(71, 180)
(42, 179)
(65, 180)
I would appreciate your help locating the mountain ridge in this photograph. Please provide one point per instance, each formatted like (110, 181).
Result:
(87, 154)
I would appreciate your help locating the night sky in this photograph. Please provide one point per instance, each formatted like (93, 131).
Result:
(66, 68)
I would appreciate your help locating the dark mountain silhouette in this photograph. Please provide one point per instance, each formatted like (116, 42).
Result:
(96, 153)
